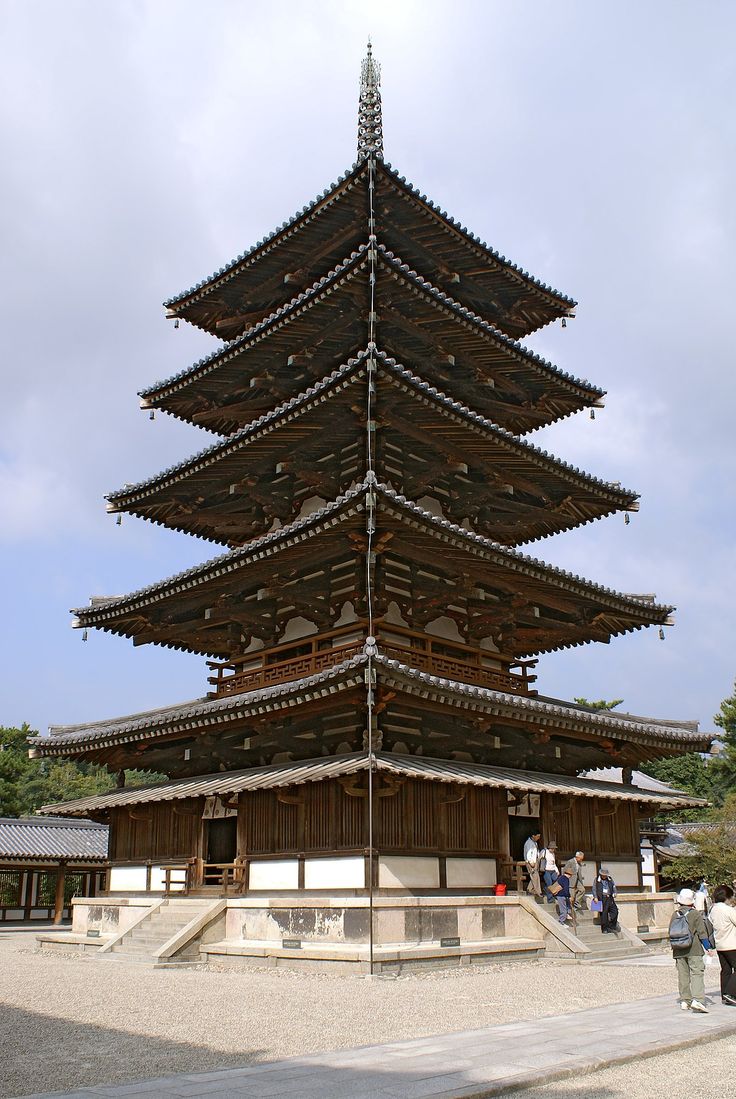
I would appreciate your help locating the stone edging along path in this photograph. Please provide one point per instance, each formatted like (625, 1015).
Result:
(487, 1062)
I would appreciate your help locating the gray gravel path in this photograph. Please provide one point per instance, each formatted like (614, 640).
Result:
(70, 1021)
(701, 1072)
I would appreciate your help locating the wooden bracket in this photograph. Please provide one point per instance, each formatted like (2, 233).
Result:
(289, 799)
(143, 815)
(460, 796)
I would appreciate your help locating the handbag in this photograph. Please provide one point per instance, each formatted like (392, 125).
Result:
(554, 888)
(596, 906)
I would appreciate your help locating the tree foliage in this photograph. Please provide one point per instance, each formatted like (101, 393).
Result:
(27, 784)
(713, 858)
(601, 704)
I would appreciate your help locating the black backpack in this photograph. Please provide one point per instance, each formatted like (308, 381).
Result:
(681, 936)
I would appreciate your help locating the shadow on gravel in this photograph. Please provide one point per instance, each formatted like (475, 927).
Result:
(45, 1054)
(42, 1053)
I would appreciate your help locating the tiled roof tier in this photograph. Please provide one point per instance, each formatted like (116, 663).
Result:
(260, 584)
(318, 422)
(323, 326)
(26, 839)
(278, 776)
(313, 702)
(336, 221)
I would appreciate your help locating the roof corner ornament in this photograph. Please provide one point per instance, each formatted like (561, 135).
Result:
(370, 123)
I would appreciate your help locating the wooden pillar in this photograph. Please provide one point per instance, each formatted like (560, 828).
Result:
(59, 900)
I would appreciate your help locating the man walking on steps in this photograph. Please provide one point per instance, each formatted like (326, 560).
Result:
(577, 885)
(689, 941)
(531, 858)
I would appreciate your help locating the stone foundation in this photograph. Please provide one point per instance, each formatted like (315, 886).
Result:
(302, 930)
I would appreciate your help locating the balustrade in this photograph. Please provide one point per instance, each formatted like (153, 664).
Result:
(425, 652)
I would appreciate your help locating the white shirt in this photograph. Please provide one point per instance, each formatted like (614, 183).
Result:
(550, 862)
(531, 852)
(723, 918)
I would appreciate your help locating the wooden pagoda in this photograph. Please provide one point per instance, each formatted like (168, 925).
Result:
(372, 625)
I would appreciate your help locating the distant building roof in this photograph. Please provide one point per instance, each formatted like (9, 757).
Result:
(677, 840)
(52, 838)
(638, 778)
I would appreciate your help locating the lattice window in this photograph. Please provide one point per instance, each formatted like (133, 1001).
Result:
(10, 888)
(73, 886)
(46, 893)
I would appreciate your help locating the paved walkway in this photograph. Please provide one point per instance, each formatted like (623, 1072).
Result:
(485, 1062)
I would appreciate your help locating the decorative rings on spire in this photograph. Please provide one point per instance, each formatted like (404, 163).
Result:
(370, 122)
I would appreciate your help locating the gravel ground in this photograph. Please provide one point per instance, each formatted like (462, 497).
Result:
(70, 1021)
(708, 1070)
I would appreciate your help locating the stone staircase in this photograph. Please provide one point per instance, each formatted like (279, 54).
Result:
(143, 941)
(606, 948)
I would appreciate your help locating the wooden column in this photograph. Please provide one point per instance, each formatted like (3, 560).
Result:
(59, 900)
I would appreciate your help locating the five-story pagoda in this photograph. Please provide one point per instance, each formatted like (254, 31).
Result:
(372, 625)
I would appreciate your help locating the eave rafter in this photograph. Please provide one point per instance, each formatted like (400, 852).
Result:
(469, 578)
(525, 391)
(237, 487)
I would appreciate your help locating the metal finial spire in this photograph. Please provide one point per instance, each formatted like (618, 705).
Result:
(370, 124)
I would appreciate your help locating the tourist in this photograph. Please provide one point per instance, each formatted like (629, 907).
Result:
(604, 891)
(702, 898)
(564, 905)
(548, 869)
(577, 885)
(689, 941)
(723, 918)
(531, 858)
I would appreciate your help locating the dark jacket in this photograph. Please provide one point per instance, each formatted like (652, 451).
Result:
(564, 883)
(604, 888)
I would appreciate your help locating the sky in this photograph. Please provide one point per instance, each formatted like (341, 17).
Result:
(145, 144)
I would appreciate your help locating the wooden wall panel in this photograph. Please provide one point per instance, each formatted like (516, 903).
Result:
(156, 832)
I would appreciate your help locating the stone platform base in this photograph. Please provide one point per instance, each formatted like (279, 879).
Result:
(333, 932)
(347, 958)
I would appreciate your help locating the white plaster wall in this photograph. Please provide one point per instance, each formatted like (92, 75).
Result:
(158, 879)
(445, 628)
(408, 872)
(470, 872)
(334, 873)
(279, 874)
(310, 505)
(625, 873)
(394, 617)
(124, 878)
(297, 628)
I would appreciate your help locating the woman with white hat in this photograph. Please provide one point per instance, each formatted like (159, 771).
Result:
(689, 941)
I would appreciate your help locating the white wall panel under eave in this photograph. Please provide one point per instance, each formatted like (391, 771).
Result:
(178, 879)
(625, 873)
(127, 878)
(346, 873)
(279, 874)
(408, 872)
(470, 872)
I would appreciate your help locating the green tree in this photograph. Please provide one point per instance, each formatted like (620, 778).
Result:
(689, 773)
(713, 858)
(723, 767)
(27, 784)
(601, 704)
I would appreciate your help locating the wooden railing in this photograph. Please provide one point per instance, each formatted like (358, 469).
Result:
(425, 652)
(228, 877)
